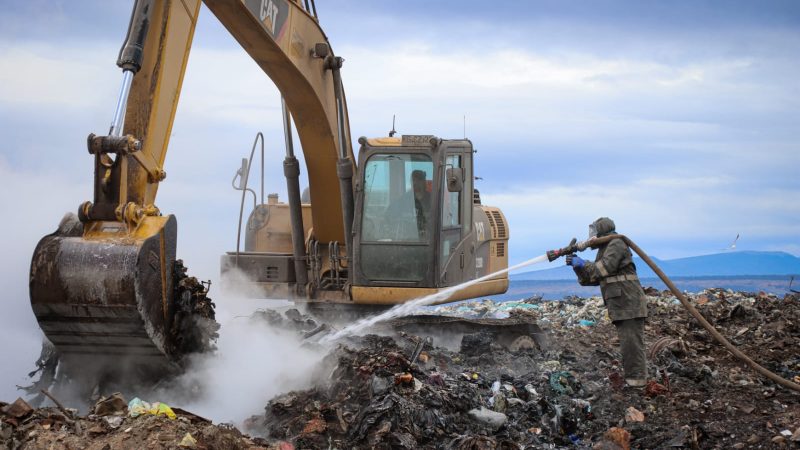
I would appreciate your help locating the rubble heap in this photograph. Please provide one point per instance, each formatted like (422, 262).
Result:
(569, 394)
(112, 426)
(374, 396)
(405, 391)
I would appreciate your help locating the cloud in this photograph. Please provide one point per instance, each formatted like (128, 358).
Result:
(422, 69)
(517, 93)
(654, 212)
(53, 79)
(246, 97)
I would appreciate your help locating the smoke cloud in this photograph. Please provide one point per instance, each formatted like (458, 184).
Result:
(253, 363)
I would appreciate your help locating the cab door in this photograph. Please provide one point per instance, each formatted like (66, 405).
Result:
(395, 221)
(455, 259)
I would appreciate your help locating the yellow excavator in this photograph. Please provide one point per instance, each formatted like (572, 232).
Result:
(401, 221)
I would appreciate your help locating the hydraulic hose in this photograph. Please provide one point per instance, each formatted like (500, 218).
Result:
(694, 312)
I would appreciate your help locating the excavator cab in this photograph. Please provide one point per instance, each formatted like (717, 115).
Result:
(404, 188)
(417, 226)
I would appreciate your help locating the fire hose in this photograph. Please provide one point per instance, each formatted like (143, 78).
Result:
(596, 242)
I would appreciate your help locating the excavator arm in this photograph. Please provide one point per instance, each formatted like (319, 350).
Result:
(108, 282)
(287, 43)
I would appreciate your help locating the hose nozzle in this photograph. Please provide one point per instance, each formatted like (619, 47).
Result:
(572, 247)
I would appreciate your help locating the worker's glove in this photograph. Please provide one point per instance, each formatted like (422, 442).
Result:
(575, 261)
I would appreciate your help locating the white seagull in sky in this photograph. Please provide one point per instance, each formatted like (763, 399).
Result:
(733, 244)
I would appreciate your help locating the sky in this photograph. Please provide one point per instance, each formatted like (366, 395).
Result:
(678, 119)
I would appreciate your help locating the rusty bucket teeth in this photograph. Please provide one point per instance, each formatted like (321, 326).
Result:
(103, 290)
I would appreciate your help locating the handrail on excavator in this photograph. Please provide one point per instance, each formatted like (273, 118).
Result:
(245, 177)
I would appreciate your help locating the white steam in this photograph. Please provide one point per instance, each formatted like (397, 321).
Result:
(254, 361)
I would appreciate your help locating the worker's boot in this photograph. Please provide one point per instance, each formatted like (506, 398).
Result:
(634, 360)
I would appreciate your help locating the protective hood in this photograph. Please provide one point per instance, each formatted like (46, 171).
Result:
(604, 226)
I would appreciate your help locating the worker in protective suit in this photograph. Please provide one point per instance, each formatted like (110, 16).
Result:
(614, 271)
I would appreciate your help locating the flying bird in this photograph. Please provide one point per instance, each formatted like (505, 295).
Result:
(733, 244)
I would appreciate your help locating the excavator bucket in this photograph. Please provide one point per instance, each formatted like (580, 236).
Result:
(104, 291)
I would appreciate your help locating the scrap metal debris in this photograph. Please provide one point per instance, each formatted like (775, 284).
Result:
(194, 326)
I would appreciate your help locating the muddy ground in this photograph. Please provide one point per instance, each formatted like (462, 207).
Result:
(468, 392)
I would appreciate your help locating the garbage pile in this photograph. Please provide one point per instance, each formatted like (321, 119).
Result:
(115, 424)
(381, 392)
(407, 390)
(194, 327)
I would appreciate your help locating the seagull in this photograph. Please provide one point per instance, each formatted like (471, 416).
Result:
(733, 244)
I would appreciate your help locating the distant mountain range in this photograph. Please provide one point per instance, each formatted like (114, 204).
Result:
(731, 264)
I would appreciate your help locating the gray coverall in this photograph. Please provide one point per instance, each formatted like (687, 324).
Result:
(615, 273)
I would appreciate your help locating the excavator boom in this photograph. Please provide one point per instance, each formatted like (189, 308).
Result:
(287, 42)
(107, 282)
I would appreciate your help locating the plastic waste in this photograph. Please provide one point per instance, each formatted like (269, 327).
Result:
(113, 422)
(403, 378)
(500, 402)
(562, 382)
(555, 421)
(111, 405)
(531, 391)
(513, 401)
(488, 417)
(137, 407)
(495, 390)
(586, 323)
(585, 406)
(517, 305)
(188, 441)
(633, 415)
